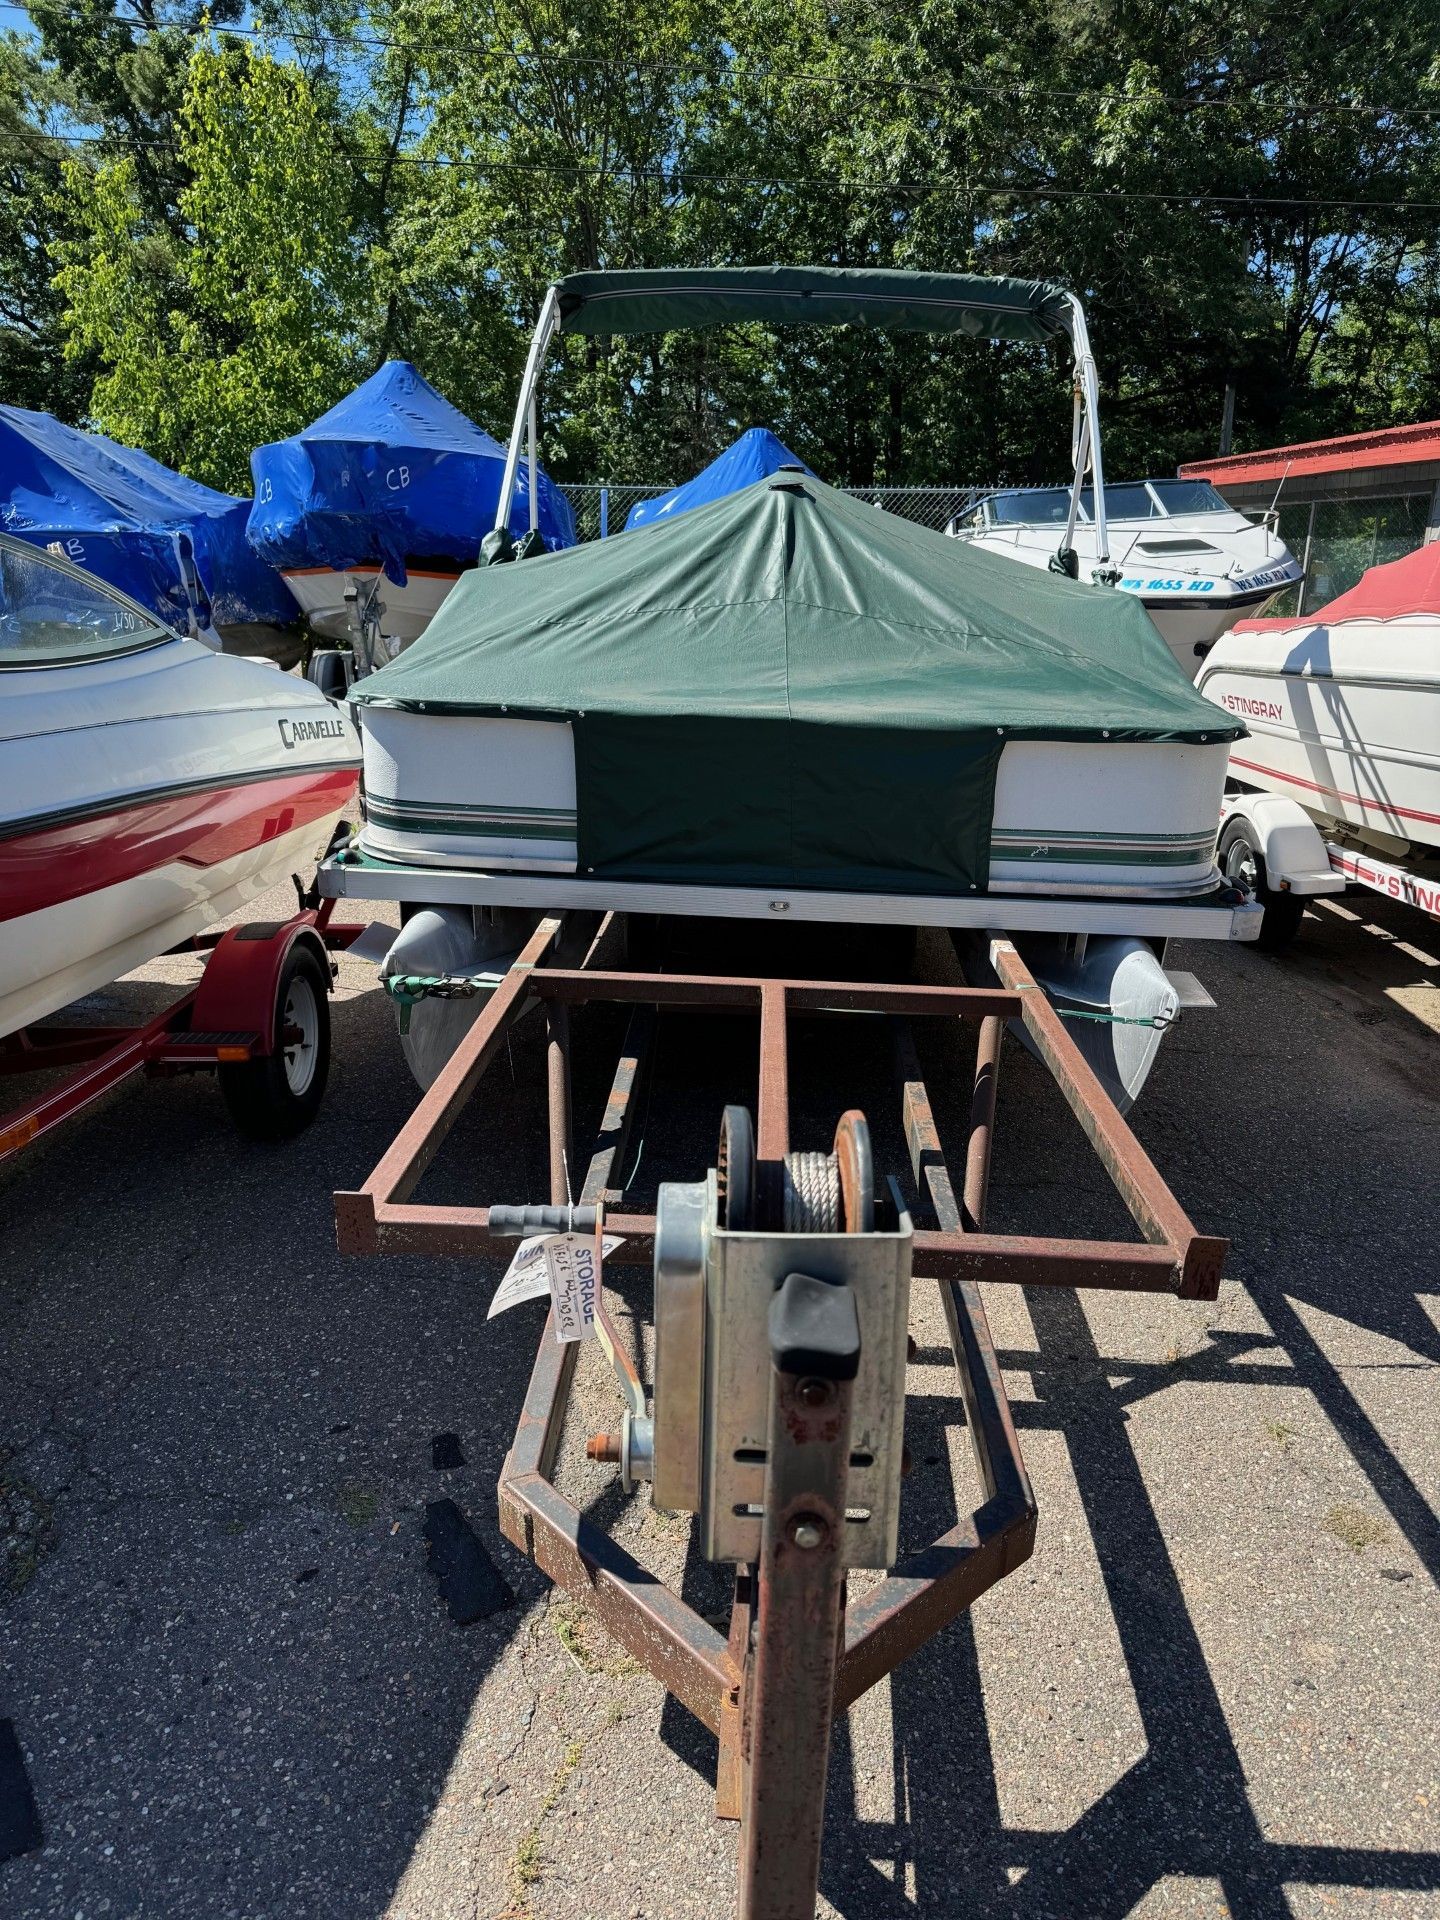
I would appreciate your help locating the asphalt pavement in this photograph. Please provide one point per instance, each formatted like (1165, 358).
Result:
(237, 1692)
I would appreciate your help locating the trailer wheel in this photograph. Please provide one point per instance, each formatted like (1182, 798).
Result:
(1242, 862)
(278, 1095)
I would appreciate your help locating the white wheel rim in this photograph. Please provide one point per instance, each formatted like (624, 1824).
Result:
(1242, 864)
(301, 1024)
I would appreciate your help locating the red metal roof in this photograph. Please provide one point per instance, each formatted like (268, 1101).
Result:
(1388, 447)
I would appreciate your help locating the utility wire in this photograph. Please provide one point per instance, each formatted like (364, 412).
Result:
(800, 77)
(680, 178)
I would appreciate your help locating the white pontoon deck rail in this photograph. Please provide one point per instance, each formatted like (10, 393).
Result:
(674, 299)
(1214, 915)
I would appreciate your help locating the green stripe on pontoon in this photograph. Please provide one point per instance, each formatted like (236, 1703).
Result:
(1045, 850)
(514, 823)
(491, 811)
(1103, 848)
(556, 823)
(1099, 836)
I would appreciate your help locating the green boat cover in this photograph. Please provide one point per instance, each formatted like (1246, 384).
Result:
(659, 299)
(790, 687)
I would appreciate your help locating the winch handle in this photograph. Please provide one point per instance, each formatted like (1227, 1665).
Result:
(517, 1223)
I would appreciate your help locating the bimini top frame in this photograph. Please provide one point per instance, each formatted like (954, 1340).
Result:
(666, 299)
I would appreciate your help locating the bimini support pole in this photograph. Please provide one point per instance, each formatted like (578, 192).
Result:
(1088, 398)
(546, 327)
(534, 469)
(1079, 456)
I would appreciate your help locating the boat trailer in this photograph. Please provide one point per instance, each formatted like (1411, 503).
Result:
(781, 1297)
(236, 1022)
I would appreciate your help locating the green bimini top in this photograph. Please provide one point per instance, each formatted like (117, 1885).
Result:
(657, 299)
(790, 686)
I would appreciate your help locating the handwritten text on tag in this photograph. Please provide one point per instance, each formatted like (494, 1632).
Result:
(528, 1275)
(574, 1283)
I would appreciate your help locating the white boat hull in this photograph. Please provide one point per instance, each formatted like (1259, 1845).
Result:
(1111, 838)
(1345, 720)
(143, 798)
(1192, 598)
(406, 611)
(1134, 820)
(1190, 628)
(62, 953)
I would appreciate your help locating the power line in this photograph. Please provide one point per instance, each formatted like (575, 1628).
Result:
(677, 179)
(800, 77)
(682, 175)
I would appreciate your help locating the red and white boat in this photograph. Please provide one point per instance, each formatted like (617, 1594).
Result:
(148, 785)
(1342, 710)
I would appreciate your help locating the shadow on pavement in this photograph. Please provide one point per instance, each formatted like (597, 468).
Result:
(1184, 1808)
(236, 1686)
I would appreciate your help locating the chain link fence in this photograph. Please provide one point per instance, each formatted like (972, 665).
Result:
(602, 510)
(1336, 540)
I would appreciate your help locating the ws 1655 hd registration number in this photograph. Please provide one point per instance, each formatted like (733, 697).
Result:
(1137, 584)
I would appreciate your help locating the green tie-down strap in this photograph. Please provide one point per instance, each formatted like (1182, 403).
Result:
(1159, 1021)
(406, 988)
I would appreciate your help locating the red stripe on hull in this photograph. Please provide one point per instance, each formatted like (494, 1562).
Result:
(76, 857)
(1335, 793)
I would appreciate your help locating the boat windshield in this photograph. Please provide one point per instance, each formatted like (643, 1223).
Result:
(1187, 496)
(52, 614)
(1032, 507)
(1132, 501)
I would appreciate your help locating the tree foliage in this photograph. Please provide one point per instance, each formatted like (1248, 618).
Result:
(224, 325)
(220, 220)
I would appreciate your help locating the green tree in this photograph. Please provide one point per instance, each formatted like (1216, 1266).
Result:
(1239, 197)
(553, 134)
(34, 371)
(240, 326)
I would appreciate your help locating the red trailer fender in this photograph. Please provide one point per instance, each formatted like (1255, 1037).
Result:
(238, 988)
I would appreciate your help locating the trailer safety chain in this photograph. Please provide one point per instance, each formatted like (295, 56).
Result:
(407, 988)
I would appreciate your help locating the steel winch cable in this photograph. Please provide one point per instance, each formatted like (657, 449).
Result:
(811, 1201)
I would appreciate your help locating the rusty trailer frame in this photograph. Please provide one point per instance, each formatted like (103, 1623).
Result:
(754, 1686)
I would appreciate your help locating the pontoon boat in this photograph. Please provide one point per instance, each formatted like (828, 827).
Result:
(1194, 564)
(787, 704)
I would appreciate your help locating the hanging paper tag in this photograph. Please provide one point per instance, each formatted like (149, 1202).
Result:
(574, 1269)
(528, 1275)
